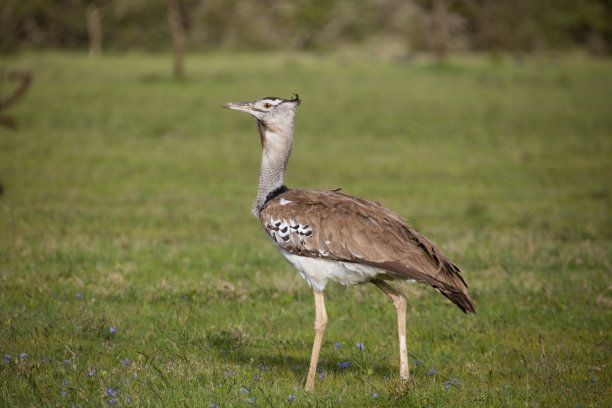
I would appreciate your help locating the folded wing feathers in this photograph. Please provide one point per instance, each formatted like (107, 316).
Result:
(348, 228)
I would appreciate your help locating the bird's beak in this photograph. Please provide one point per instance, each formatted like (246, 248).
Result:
(240, 106)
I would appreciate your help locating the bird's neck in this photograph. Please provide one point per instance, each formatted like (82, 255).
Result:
(276, 143)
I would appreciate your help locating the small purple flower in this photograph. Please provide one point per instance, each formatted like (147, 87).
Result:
(67, 383)
(345, 364)
(67, 361)
(213, 405)
(64, 394)
(296, 367)
(432, 371)
(7, 358)
(360, 346)
(222, 351)
(229, 372)
(291, 398)
(125, 362)
(506, 387)
(23, 356)
(135, 376)
(375, 395)
(244, 390)
(337, 345)
(113, 400)
(322, 375)
(113, 330)
(446, 385)
(79, 295)
(261, 366)
(110, 392)
(90, 373)
(386, 378)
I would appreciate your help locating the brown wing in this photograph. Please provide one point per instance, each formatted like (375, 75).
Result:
(338, 226)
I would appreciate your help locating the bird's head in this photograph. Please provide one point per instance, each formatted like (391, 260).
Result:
(271, 112)
(275, 118)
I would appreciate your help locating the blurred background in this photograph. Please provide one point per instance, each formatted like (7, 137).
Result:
(129, 259)
(396, 27)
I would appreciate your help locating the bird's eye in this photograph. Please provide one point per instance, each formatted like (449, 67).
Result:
(267, 105)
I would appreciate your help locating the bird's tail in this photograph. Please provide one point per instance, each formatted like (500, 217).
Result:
(445, 280)
(443, 274)
(459, 297)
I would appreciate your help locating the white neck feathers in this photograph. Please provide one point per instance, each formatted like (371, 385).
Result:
(276, 140)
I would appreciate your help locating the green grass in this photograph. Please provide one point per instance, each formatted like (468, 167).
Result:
(134, 191)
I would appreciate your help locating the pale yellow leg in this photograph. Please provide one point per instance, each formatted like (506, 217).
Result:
(399, 302)
(319, 327)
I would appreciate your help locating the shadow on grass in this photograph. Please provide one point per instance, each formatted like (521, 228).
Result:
(233, 349)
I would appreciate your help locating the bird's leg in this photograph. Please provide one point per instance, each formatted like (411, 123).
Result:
(399, 302)
(319, 327)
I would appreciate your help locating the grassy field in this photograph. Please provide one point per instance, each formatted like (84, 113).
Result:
(133, 274)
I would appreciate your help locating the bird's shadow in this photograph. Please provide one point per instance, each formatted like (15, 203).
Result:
(233, 350)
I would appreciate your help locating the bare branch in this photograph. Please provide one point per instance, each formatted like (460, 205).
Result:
(25, 79)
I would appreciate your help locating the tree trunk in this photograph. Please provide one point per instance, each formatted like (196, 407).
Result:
(440, 29)
(94, 29)
(179, 40)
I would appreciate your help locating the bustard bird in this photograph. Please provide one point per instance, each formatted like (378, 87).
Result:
(332, 236)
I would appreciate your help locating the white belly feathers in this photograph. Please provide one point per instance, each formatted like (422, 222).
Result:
(317, 271)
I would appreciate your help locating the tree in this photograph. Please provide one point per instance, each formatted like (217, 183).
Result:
(442, 26)
(179, 39)
(440, 29)
(94, 29)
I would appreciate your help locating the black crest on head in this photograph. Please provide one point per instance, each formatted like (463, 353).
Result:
(296, 98)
